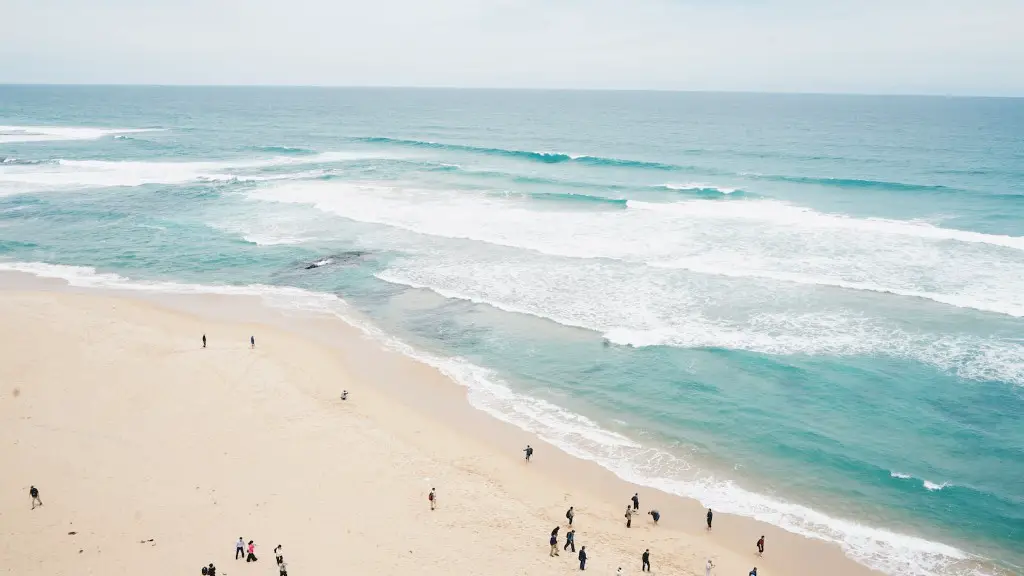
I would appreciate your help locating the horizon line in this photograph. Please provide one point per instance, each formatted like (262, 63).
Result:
(950, 95)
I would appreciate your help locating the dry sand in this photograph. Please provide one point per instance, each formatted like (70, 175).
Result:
(153, 455)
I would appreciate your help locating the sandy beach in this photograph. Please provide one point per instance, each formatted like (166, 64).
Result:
(153, 456)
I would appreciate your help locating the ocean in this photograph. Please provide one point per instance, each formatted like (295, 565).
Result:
(803, 309)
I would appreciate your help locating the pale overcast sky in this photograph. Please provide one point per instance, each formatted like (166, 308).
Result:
(875, 46)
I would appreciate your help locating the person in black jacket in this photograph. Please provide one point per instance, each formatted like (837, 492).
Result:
(710, 516)
(583, 557)
(646, 558)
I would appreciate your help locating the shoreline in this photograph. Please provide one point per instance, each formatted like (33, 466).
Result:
(442, 401)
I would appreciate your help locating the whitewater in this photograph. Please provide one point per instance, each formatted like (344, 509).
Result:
(801, 326)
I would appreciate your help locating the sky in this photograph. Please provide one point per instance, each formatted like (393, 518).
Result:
(957, 47)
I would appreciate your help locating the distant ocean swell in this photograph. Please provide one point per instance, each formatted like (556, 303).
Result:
(876, 548)
(562, 157)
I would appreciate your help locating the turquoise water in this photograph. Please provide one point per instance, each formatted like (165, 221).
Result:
(804, 309)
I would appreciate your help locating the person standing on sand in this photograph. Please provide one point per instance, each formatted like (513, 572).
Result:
(646, 559)
(240, 548)
(282, 568)
(636, 501)
(710, 516)
(760, 546)
(583, 557)
(569, 515)
(278, 555)
(708, 567)
(252, 342)
(554, 542)
(656, 515)
(570, 540)
(252, 553)
(204, 340)
(211, 570)
(433, 499)
(629, 516)
(529, 452)
(754, 571)
(34, 493)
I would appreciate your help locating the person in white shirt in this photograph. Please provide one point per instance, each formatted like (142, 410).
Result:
(240, 548)
(708, 567)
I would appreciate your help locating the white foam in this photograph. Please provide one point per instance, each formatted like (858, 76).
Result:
(755, 239)
(698, 186)
(884, 550)
(633, 309)
(932, 487)
(80, 174)
(900, 475)
(11, 134)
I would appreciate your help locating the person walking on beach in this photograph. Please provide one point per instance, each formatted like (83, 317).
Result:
(554, 542)
(710, 516)
(251, 557)
(583, 557)
(569, 515)
(282, 568)
(278, 555)
(34, 493)
(646, 559)
(211, 570)
(433, 499)
(204, 340)
(708, 567)
(636, 501)
(629, 516)
(252, 342)
(240, 548)
(656, 515)
(570, 540)
(529, 452)
(760, 546)
(754, 571)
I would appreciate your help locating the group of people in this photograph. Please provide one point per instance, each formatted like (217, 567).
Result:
(248, 551)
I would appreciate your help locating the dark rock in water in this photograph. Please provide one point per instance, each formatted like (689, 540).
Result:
(341, 257)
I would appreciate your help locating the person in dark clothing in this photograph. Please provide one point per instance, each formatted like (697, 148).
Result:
(204, 340)
(629, 516)
(570, 540)
(656, 515)
(211, 570)
(34, 493)
(710, 516)
(529, 452)
(569, 515)
(636, 501)
(760, 546)
(554, 544)
(583, 558)
(754, 571)
(646, 558)
(252, 341)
